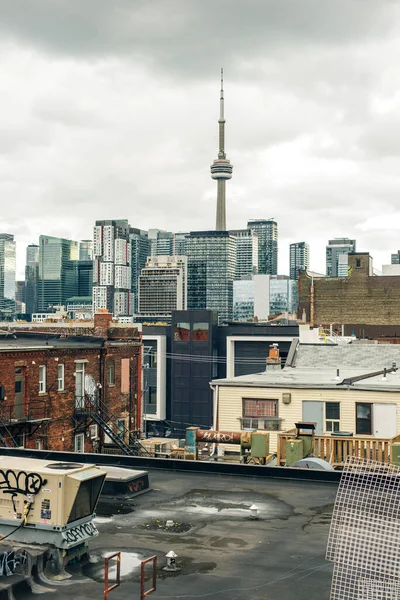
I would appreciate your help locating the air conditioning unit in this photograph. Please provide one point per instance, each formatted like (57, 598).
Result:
(44, 502)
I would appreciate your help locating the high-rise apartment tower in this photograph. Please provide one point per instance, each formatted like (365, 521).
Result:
(299, 258)
(7, 276)
(111, 267)
(267, 230)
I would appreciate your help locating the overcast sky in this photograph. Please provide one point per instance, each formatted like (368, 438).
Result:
(109, 109)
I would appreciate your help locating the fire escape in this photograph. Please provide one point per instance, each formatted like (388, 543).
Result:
(18, 420)
(94, 410)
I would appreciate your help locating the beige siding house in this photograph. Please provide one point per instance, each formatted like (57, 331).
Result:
(346, 388)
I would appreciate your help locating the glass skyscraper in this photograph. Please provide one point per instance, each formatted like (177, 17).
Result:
(211, 271)
(267, 230)
(31, 278)
(7, 276)
(335, 248)
(58, 271)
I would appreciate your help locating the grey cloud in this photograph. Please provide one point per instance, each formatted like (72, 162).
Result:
(186, 35)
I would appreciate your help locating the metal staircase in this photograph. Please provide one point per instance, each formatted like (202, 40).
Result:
(101, 414)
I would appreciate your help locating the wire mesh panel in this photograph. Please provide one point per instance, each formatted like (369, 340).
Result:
(365, 532)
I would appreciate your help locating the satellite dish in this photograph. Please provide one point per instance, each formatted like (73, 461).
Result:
(91, 388)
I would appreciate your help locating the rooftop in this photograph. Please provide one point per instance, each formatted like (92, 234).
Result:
(222, 554)
(316, 366)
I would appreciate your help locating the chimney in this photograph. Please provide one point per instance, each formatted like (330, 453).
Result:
(274, 361)
(102, 321)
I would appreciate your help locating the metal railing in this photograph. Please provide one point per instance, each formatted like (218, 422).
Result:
(335, 449)
(15, 413)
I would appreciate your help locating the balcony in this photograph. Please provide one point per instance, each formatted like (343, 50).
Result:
(335, 450)
(31, 412)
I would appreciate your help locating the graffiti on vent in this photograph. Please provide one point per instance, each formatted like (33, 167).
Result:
(80, 532)
(20, 482)
(13, 562)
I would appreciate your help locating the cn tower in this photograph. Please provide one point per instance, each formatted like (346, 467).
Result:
(221, 169)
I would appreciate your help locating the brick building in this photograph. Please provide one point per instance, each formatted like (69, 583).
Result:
(71, 393)
(358, 301)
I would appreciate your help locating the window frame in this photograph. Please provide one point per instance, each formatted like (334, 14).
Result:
(370, 405)
(262, 422)
(111, 373)
(42, 379)
(61, 388)
(80, 436)
(330, 420)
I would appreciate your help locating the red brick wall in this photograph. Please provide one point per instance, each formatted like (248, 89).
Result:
(59, 433)
(357, 299)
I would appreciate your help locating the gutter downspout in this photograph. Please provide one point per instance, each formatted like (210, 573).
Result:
(312, 303)
(215, 391)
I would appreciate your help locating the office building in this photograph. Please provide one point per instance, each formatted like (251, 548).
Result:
(299, 258)
(251, 298)
(259, 297)
(7, 276)
(140, 250)
(395, 258)
(221, 169)
(86, 250)
(282, 295)
(211, 271)
(58, 272)
(163, 285)
(334, 249)
(31, 278)
(246, 252)
(20, 305)
(180, 243)
(161, 242)
(267, 230)
(111, 267)
(85, 278)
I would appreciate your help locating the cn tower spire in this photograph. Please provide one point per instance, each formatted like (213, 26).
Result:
(221, 169)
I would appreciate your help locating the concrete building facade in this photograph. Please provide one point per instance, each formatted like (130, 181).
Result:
(163, 285)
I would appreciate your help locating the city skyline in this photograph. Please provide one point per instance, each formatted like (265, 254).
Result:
(96, 115)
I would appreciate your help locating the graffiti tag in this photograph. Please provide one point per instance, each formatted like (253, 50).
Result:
(21, 482)
(136, 486)
(80, 532)
(214, 436)
(12, 562)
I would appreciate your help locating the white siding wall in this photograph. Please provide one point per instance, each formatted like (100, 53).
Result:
(230, 406)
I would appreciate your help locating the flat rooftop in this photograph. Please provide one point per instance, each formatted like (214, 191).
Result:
(222, 553)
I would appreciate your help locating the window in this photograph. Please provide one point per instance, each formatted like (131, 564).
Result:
(332, 416)
(358, 263)
(38, 445)
(79, 385)
(182, 332)
(260, 414)
(42, 379)
(121, 428)
(93, 431)
(111, 373)
(363, 418)
(80, 442)
(60, 378)
(200, 332)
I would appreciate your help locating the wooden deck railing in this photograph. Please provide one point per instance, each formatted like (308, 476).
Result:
(335, 450)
